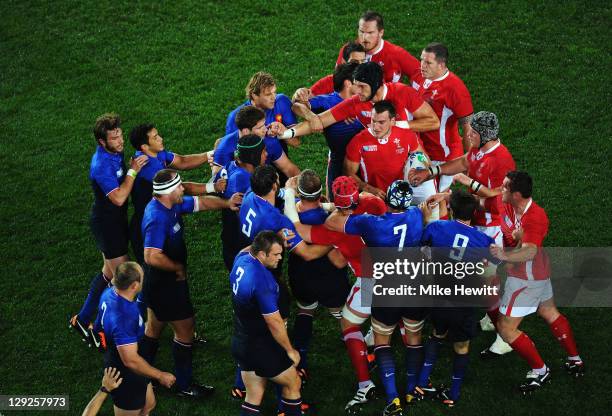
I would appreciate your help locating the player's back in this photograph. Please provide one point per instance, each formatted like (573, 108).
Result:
(251, 284)
(393, 229)
(457, 241)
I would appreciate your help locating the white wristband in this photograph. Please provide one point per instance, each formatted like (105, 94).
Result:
(132, 173)
(290, 208)
(210, 188)
(288, 134)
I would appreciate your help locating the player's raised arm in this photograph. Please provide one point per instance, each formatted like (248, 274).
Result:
(189, 162)
(459, 165)
(304, 128)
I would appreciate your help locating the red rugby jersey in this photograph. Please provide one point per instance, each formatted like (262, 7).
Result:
(382, 161)
(405, 99)
(490, 168)
(395, 61)
(534, 223)
(451, 100)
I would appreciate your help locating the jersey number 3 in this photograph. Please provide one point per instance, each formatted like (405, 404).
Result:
(249, 219)
(239, 273)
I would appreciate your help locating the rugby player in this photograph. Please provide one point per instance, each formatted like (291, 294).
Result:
(487, 163)
(321, 281)
(458, 241)
(380, 152)
(395, 60)
(146, 140)
(250, 153)
(260, 342)
(123, 329)
(353, 52)
(111, 186)
(528, 289)
(166, 291)
(261, 93)
(411, 111)
(337, 135)
(400, 227)
(356, 310)
(252, 120)
(452, 103)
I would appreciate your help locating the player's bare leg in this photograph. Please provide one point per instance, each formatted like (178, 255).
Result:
(255, 389)
(562, 331)
(291, 400)
(150, 401)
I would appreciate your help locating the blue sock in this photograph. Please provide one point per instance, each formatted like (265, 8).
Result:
(142, 306)
(386, 368)
(183, 357)
(432, 347)
(302, 333)
(238, 380)
(249, 409)
(460, 365)
(291, 407)
(96, 287)
(414, 359)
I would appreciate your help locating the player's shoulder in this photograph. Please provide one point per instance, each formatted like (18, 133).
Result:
(536, 212)
(282, 99)
(392, 48)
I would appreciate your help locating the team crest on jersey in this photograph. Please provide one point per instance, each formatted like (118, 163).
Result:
(119, 172)
(508, 221)
(279, 118)
(433, 94)
(371, 148)
(176, 227)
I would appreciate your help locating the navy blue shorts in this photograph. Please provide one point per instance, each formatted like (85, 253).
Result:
(111, 236)
(460, 323)
(262, 355)
(169, 299)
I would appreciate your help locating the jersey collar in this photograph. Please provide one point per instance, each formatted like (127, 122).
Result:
(380, 48)
(427, 83)
(481, 153)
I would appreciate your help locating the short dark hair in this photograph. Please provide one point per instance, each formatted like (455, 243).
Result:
(248, 117)
(385, 105)
(126, 274)
(370, 16)
(439, 50)
(351, 47)
(104, 124)
(263, 179)
(342, 73)
(310, 183)
(264, 241)
(463, 204)
(520, 182)
(139, 135)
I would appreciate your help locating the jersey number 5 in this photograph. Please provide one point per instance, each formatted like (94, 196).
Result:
(249, 219)
(239, 273)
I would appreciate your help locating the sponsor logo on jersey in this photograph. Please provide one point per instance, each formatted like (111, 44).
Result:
(366, 113)
(371, 148)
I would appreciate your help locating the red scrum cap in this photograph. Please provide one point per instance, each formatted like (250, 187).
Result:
(346, 192)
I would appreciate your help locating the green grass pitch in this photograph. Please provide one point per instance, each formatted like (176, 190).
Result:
(543, 67)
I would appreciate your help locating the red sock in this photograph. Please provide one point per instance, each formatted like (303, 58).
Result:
(357, 351)
(562, 330)
(525, 347)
